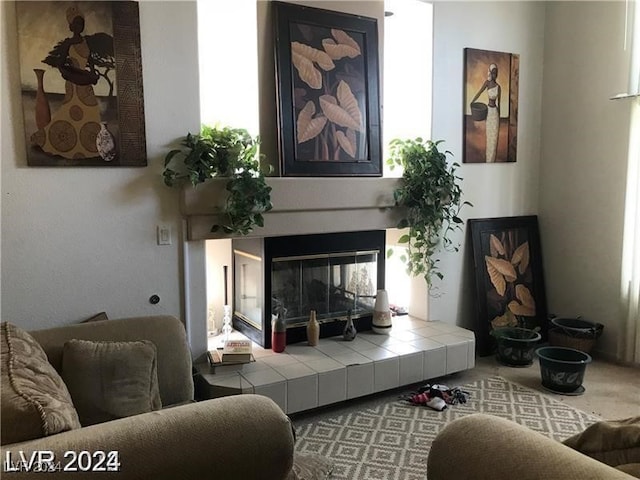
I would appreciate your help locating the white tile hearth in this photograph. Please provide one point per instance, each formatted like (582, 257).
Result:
(305, 377)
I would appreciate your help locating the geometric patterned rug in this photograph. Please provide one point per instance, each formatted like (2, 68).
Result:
(391, 441)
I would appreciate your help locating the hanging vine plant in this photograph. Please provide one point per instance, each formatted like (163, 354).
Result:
(432, 197)
(226, 153)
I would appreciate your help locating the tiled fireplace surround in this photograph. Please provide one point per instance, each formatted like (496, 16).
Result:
(305, 377)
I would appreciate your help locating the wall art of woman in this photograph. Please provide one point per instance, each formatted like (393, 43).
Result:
(490, 113)
(494, 94)
(72, 130)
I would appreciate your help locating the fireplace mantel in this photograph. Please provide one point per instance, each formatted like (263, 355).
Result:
(301, 206)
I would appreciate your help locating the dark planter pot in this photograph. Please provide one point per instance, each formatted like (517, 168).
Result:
(516, 345)
(574, 333)
(562, 369)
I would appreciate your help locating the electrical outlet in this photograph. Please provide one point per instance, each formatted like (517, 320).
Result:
(164, 235)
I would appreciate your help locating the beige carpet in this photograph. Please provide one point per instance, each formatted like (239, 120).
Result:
(391, 441)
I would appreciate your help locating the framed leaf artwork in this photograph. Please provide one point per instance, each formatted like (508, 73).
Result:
(509, 279)
(81, 83)
(328, 92)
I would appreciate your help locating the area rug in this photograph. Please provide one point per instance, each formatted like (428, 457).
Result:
(391, 441)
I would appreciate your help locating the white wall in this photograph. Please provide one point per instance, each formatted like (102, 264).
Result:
(584, 159)
(76, 241)
(496, 190)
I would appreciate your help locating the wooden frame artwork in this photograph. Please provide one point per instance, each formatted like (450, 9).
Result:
(509, 280)
(328, 92)
(490, 106)
(81, 82)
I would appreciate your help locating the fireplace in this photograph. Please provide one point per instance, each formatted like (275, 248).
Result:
(335, 274)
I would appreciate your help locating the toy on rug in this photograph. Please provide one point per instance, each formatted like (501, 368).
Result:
(437, 396)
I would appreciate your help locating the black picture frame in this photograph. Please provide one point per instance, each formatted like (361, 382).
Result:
(328, 98)
(510, 290)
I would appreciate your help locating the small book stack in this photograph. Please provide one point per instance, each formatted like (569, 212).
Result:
(233, 352)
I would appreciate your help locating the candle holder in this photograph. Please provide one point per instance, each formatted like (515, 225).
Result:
(226, 322)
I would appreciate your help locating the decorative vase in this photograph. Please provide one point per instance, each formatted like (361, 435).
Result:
(313, 329)
(43, 112)
(278, 334)
(105, 143)
(381, 314)
(350, 331)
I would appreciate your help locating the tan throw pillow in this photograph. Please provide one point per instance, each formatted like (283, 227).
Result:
(110, 380)
(34, 400)
(98, 317)
(614, 442)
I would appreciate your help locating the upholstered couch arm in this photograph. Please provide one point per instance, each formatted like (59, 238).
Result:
(479, 447)
(244, 436)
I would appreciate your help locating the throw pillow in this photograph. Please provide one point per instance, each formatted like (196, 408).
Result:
(614, 442)
(110, 380)
(96, 318)
(34, 400)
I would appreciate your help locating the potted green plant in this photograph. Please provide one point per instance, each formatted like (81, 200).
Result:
(432, 198)
(224, 152)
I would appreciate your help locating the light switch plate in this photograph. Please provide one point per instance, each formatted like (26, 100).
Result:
(164, 235)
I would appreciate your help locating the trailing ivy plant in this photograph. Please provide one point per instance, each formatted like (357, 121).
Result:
(431, 194)
(224, 152)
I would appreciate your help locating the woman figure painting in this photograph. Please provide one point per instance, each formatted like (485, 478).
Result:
(494, 92)
(71, 132)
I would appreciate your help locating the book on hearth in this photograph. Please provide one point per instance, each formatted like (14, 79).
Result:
(233, 351)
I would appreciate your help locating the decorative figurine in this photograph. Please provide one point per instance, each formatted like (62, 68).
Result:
(350, 331)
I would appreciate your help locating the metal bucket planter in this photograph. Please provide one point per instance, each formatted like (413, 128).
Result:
(516, 345)
(562, 369)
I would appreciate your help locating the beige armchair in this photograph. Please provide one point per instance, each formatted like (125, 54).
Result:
(245, 436)
(485, 447)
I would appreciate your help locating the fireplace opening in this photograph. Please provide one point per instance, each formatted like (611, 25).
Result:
(335, 274)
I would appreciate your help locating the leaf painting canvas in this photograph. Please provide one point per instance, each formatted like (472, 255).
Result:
(327, 71)
(81, 83)
(509, 280)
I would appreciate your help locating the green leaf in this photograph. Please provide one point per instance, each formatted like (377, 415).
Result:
(225, 152)
(431, 198)
(170, 156)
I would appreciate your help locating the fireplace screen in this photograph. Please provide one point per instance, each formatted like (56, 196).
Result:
(330, 284)
(331, 273)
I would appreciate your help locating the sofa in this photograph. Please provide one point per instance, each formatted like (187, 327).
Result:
(245, 436)
(479, 447)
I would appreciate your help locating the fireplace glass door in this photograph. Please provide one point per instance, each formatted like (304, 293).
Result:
(332, 273)
(331, 284)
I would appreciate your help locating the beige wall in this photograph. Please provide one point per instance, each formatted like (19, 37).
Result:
(76, 241)
(496, 190)
(583, 169)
